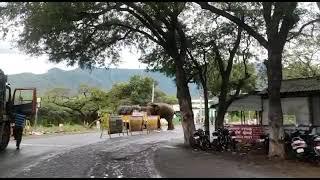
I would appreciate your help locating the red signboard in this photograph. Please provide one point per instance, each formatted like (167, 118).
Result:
(246, 132)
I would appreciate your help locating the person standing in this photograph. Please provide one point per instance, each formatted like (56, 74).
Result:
(18, 128)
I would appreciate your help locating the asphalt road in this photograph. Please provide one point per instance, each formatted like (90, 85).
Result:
(159, 154)
(35, 149)
(85, 155)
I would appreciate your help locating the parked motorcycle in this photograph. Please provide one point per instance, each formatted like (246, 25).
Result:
(265, 140)
(223, 140)
(313, 145)
(296, 145)
(199, 140)
(216, 140)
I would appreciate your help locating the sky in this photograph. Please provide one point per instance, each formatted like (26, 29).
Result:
(13, 61)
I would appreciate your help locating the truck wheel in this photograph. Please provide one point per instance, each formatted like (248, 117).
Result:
(5, 137)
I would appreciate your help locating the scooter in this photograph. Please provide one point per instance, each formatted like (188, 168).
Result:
(313, 144)
(298, 144)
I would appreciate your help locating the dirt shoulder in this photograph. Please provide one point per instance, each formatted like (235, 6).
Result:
(175, 160)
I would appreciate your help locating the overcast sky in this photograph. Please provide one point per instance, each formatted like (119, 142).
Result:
(12, 61)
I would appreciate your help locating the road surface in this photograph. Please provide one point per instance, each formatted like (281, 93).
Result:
(35, 149)
(159, 154)
(72, 156)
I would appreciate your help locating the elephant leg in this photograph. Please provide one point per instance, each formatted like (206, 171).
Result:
(170, 124)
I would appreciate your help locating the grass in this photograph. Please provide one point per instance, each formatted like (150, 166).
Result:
(67, 128)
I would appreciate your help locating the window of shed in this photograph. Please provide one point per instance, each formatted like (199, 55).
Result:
(289, 119)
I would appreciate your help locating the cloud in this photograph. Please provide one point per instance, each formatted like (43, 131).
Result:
(13, 61)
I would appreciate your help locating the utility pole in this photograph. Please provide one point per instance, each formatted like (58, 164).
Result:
(200, 109)
(36, 115)
(152, 92)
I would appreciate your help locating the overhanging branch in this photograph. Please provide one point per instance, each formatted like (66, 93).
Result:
(250, 30)
(295, 34)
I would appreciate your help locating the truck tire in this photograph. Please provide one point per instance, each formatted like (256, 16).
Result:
(5, 137)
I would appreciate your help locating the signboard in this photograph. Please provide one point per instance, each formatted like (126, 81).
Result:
(247, 132)
(135, 123)
(115, 124)
(152, 122)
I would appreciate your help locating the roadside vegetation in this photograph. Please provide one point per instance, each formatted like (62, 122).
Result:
(78, 111)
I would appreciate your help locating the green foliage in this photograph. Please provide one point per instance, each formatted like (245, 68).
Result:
(167, 99)
(57, 107)
(301, 60)
(141, 89)
(137, 91)
(214, 81)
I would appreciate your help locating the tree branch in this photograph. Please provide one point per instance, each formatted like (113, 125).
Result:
(218, 58)
(295, 34)
(267, 12)
(287, 23)
(107, 24)
(233, 51)
(250, 30)
(148, 22)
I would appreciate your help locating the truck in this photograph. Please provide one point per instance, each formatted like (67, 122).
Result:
(23, 100)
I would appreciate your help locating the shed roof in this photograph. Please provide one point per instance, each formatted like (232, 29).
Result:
(249, 102)
(298, 85)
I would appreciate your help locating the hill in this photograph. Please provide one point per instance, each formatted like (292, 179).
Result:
(99, 77)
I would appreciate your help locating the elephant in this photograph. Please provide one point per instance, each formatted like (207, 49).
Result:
(127, 110)
(161, 109)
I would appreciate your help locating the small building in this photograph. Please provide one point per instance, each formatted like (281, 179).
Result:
(300, 101)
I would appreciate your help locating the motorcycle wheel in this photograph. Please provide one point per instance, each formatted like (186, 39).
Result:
(205, 145)
(234, 145)
(193, 143)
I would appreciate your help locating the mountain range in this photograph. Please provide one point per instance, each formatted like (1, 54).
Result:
(100, 77)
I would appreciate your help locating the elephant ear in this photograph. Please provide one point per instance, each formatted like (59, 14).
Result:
(156, 108)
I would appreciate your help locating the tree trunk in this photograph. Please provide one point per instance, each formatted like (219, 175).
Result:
(276, 147)
(222, 106)
(184, 98)
(222, 109)
(206, 109)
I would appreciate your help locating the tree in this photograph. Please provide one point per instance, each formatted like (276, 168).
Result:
(279, 18)
(88, 32)
(301, 60)
(140, 89)
(84, 89)
(241, 78)
(58, 93)
(85, 106)
(137, 91)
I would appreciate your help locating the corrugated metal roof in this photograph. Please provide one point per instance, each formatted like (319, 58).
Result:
(298, 85)
(247, 103)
